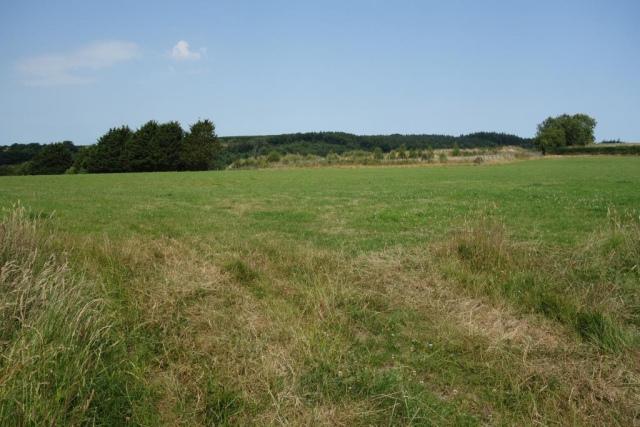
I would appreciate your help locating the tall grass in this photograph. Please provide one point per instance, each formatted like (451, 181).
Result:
(57, 347)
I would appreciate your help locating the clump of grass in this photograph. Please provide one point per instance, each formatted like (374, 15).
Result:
(58, 352)
(600, 329)
(485, 246)
(622, 244)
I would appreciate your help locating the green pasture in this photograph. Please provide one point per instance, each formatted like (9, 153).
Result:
(558, 200)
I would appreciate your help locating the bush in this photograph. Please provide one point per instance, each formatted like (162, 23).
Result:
(428, 155)
(7, 170)
(332, 157)
(378, 154)
(402, 152)
(273, 157)
(456, 150)
(443, 158)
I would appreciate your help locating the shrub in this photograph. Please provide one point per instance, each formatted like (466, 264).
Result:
(273, 157)
(456, 150)
(443, 158)
(377, 153)
(292, 158)
(402, 152)
(332, 157)
(6, 170)
(428, 155)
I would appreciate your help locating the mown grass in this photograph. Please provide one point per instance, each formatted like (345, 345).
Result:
(501, 295)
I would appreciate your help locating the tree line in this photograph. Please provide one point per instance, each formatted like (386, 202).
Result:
(322, 143)
(154, 147)
(167, 147)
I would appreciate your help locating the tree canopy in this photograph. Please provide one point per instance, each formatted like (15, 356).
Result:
(152, 148)
(109, 154)
(565, 131)
(200, 147)
(52, 159)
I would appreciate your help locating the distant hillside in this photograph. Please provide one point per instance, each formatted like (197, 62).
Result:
(317, 143)
(321, 143)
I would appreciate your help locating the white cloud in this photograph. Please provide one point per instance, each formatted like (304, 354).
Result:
(181, 52)
(70, 68)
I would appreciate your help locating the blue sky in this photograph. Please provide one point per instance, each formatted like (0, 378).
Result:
(70, 70)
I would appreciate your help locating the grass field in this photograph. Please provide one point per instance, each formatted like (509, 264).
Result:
(444, 295)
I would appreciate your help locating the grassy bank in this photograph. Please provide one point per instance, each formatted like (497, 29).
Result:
(498, 294)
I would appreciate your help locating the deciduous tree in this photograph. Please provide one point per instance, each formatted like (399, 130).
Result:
(565, 130)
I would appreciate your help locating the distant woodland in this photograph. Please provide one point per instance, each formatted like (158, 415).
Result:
(167, 147)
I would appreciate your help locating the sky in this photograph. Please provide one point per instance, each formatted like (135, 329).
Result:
(70, 70)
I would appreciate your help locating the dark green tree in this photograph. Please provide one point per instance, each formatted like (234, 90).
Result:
(142, 148)
(18, 153)
(550, 138)
(52, 159)
(109, 154)
(168, 145)
(201, 146)
(82, 158)
(565, 130)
